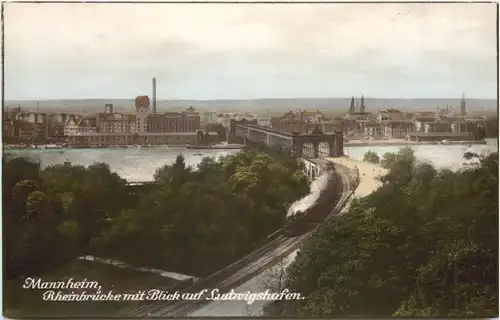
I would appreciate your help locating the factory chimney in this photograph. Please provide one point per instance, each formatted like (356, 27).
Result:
(154, 95)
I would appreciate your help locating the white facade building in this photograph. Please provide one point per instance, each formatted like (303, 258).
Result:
(71, 127)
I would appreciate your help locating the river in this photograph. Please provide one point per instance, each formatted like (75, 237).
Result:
(130, 163)
(449, 156)
(140, 164)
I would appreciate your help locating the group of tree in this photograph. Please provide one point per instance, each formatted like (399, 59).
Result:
(424, 244)
(192, 219)
(371, 157)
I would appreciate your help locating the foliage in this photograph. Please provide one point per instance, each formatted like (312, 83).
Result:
(424, 244)
(392, 110)
(192, 220)
(371, 157)
(387, 160)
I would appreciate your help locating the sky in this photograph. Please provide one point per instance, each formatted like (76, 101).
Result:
(247, 51)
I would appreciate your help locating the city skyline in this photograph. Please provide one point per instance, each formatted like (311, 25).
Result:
(250, 51)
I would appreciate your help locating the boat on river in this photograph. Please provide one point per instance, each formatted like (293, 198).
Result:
(222, 146)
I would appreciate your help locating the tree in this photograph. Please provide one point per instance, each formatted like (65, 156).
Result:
(371, 157)
(387, 160)
(53, 214)
(214, 213)
(421, 245)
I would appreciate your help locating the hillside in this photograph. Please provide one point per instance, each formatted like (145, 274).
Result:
(261, 106)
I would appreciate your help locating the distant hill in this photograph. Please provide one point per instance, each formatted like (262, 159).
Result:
(261, 106)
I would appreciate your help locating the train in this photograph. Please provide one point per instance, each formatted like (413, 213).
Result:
(306, 220)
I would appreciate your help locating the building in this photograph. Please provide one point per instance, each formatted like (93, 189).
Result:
(60, 118)
(264, 123)
(31, 117)
(190, 120)
(159, 123)
(110, 121)
(437, 126)
(394, 124)
(24, 131)
(357, 111)
(309, 116)
(186, 121)
(397, 129)
(12, 114)
(224, 118)
(372, 129)
(463, 106)
(289, 122)
(337, 124)
(142, 111)
(87, 124)
(72, 125)
(146, 138)
(56, 123)
(8, 128)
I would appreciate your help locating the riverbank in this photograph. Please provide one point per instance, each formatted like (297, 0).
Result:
(121, 264)
(402, 142)
(368, 174)
(71, 147)
(216, 147)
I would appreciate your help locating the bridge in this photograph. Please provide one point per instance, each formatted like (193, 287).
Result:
(313, 144)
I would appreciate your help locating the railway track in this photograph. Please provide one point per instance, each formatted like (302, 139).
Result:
(251, 265)
(183, 308)
(208, 282)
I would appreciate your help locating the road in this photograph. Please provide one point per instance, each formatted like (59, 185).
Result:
(266, 257)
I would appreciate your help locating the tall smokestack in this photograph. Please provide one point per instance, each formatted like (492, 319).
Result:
(154, 95)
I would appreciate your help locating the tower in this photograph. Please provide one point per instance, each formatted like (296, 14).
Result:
(463, 106)
(154, 95)
(142, 111)
(352, 108)
(108, 108)
(362, 107)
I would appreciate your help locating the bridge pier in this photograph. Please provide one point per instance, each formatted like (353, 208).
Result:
(316, 149)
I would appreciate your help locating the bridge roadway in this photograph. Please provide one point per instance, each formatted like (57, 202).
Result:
(252, 265)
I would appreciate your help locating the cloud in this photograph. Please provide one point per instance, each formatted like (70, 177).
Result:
(182, 43)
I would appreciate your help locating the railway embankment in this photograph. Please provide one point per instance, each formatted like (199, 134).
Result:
(242, 270)
(369, 174)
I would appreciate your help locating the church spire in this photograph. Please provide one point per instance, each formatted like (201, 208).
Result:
(352, 108)
(362, 107)
(463, 106)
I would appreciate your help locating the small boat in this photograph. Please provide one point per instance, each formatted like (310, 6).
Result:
(220, 146)
(198, 154)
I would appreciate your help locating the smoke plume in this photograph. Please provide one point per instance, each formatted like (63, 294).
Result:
(302, 204)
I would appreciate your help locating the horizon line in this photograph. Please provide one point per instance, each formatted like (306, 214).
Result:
(249, 99)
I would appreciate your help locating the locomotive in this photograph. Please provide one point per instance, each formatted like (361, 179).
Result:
(304, 221)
